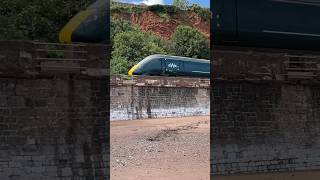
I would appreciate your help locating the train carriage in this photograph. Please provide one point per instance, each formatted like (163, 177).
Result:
(163, 65)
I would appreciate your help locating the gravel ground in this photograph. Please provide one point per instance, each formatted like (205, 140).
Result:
(160, 149)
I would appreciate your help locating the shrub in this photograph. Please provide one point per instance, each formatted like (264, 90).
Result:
(167, 9)
(119, 25)
(131, 47)
(204, 13)
(189, 42)
(181, 4)
(127, 9)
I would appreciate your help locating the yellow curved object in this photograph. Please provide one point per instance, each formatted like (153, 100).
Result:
(66, 32)
(130, 72)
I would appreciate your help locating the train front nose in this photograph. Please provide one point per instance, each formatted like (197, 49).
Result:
(86, 26)
(133, 70)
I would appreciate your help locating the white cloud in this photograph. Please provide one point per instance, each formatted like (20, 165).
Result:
(152, 2)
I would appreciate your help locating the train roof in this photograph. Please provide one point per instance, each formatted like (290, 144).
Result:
(99, 4)
(176, 57)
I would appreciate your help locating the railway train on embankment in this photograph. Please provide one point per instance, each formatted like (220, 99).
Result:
(89, 26)
(282, 24)
(92, 26)
(163, 65)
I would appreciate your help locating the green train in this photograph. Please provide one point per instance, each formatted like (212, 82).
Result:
(163, 65)
(90, 26)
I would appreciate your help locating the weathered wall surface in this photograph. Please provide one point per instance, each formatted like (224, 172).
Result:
(53, 125)
(264, 64)
(156, 97)
(265, 126)
(261, 119)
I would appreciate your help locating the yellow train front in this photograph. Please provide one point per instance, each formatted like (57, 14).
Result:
(163, 65)
(89, 26)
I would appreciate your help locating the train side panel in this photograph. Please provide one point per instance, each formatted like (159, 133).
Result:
(197, 69)
(288, 24)
(171, 66)
(153, 67)
(177, 67)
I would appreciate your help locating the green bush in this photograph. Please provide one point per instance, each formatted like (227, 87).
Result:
(131, 47)
(181, 4)
(189, 42)
(117, 9)
(167, 9)
(127, 9)
(119, 25)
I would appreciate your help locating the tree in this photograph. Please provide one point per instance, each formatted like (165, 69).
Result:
(189, 42)
(182, 4)
(131, 47)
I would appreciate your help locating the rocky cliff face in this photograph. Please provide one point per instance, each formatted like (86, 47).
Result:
(164, 25)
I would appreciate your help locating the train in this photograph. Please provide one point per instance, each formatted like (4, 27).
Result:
(90, 25)
(165, 65)
(281, 24)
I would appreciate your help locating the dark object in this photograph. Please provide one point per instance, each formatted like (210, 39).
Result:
(171, 66)
(89, 26)
(284, 24)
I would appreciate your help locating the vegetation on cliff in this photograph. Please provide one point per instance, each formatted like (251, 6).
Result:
(140, 31)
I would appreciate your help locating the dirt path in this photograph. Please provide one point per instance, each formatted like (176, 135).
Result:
(160, 149)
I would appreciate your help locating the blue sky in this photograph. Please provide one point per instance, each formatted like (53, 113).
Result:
(203, 3)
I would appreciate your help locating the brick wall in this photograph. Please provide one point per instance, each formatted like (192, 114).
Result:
(264, 126)
(156, 97)
(264, 64)
(53, 125)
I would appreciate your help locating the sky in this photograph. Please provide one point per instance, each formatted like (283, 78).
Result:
(203, 3)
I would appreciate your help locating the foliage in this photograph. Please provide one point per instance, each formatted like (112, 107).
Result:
(119, 25)
(131, 47)
(158, 9)
(204, 13)
(37, 19)
(166, 9)
(115, 8)
(182, 4)
(189, 42)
